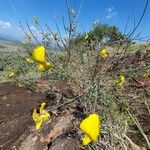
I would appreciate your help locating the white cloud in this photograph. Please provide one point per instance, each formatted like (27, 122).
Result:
(110, 12)
(13, 31)
(110, 9)
(5, 24)
(10, 30)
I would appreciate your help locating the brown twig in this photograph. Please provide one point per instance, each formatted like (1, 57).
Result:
(71, 100)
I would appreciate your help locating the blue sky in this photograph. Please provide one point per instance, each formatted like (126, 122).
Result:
(113, 12)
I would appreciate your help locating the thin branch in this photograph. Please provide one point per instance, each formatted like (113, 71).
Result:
(71, 100)
(63, 21)
(132, 7)
(140, 20)
(53, 36)
(79, 10)
(70, 26)
(35, 38)
(126, 26)
(59, 33)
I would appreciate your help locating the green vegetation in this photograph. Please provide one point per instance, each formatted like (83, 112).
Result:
(112, 102)
(102, 32)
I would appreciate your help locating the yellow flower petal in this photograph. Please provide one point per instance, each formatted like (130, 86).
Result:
(39, 54)
(121, 80)
(86, 140)
(40, 117)
(42, 107)
(11, 74)
(104, 53)
(44, 66)
(38, 123)
(35, 115)
(91, 127)
(40, 68)
(48, 65)
(45, 116)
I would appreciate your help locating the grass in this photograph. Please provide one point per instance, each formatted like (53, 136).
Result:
(140, 128)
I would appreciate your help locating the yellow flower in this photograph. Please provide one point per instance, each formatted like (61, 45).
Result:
(104, 53)
(44, 66)
(91, 128)
(39, 54)
(29, 60)
(147, 74)
(121, 80)
(40, 117)
(11, 73)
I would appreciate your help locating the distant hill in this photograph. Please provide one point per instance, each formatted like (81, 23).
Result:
(4, 37)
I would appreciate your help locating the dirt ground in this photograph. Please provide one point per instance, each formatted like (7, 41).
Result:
(16, 105)
(16, 124)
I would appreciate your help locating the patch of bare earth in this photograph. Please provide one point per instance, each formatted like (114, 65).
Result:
(17, 130)
(16, 105)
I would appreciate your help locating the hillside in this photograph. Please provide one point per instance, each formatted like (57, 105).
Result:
(71, 92)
